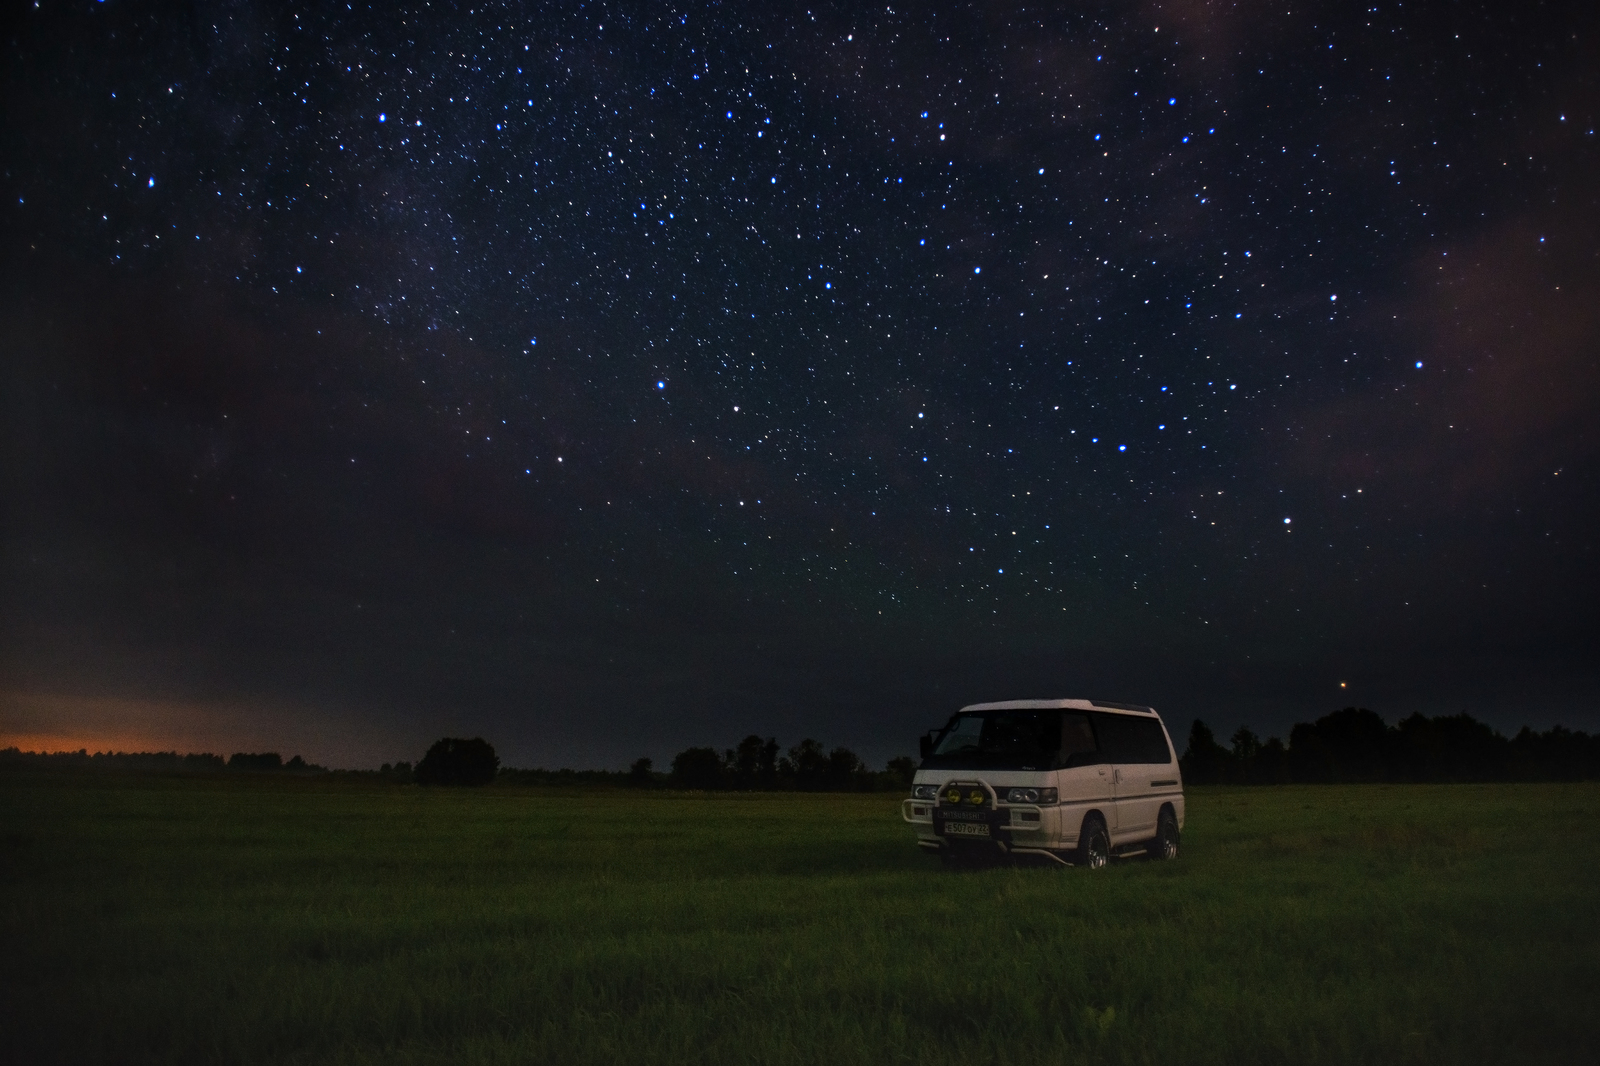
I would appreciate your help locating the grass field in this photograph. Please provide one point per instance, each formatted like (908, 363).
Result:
(271, 919)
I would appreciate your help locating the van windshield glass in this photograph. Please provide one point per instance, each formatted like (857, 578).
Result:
(998, 740)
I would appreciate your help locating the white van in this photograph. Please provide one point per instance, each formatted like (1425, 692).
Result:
(1075, 781)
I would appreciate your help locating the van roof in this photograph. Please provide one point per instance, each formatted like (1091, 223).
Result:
(1050, 705)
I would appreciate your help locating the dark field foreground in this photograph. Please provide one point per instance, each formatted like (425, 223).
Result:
(260, 919)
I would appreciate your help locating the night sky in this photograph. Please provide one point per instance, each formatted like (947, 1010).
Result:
(606, 379)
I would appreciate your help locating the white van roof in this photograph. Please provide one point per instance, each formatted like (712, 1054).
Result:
(1052, 705)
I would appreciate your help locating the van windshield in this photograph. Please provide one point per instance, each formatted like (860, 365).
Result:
(1006, 740)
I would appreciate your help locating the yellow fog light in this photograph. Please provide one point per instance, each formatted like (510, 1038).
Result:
(975, 797)
(953, 796)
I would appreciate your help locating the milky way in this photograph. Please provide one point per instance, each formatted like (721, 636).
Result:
(606, 378)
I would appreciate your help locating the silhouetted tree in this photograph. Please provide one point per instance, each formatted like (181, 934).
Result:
(1204, 761)
(744, 763)
(697, 768)
(767, 766)
(1347, 745)
(400, 771)
(1271, 763)
(639, 775)
(843, 766)
(1557, 755)
(904, 769)
(807, 765)
(1246, 746)
(454, 761)
(267, 760)
(1454, 747)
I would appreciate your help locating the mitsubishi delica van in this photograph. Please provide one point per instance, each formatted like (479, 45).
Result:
(1073, 781)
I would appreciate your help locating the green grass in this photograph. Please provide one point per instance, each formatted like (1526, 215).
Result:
(261, 919)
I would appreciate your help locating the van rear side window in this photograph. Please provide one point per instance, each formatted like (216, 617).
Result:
(1126, 739)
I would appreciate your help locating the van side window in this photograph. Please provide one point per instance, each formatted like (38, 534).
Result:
(1152, 742)
(1077, 742)
(1126, 739)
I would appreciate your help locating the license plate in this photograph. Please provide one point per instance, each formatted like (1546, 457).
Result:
(966, 829)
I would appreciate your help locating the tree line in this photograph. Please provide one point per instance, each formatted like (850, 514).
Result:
(1350, 745)
(1355, 744)
(761, 765)
(190, 762)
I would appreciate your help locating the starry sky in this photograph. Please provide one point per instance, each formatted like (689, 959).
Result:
(605, 379)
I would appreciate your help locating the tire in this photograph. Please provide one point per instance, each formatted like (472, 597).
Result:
(1164, 848)
(1094, 844)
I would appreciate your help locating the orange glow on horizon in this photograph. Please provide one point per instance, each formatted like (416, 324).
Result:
(64, 743)
(52, 722)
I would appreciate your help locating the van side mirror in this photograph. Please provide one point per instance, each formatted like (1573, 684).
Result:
(925, 744)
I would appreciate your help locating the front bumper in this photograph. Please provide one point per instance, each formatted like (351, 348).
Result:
(1002, 821)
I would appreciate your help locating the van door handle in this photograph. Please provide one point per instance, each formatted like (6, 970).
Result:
(1116, 777)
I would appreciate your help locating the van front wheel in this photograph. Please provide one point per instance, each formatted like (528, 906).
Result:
(1094, 844)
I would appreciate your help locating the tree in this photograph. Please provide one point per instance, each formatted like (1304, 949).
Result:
(697, 768)
(767, 766)
(843, 765)
(1453, 747)
(1246, 746)
(903, 770)
(454, 761)
(744, 762)
(639, 775)
(1204, 762)
(1348, 745)
(267, 760)
(1272, 763)
(400, 771)
(807, 765)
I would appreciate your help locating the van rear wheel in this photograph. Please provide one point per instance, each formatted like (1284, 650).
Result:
(1165, 845)
(1094, 844)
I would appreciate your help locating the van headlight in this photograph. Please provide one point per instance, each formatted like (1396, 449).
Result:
(925, 792)
(1031, 795)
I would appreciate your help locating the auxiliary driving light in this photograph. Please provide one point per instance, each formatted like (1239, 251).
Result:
(953, 796)
(976, 797)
